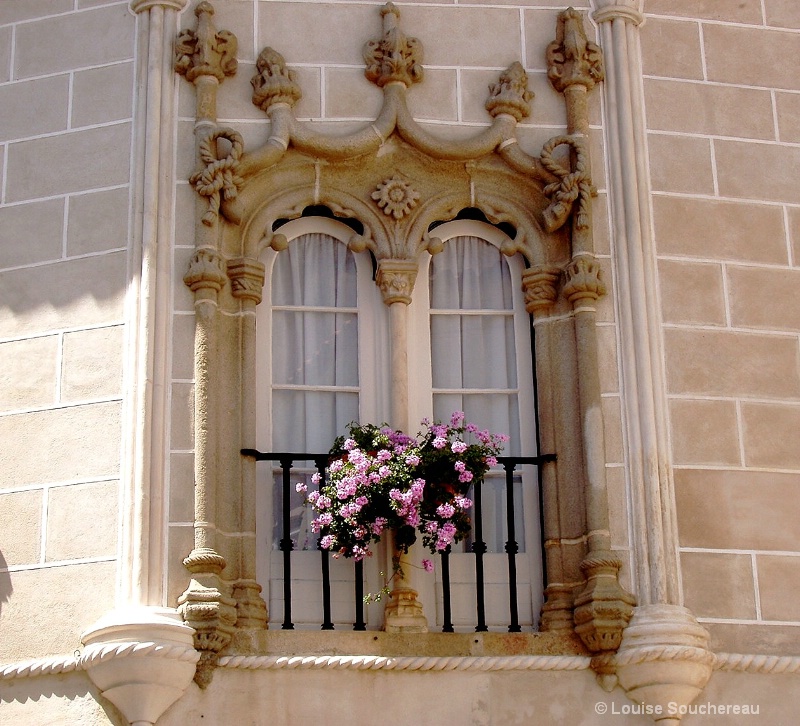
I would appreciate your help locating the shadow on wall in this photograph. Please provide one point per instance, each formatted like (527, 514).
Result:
(65, 698)
(6, 588)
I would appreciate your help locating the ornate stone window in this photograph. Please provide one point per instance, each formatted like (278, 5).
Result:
(394, 182)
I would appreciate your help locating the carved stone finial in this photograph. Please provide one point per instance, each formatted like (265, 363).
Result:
(510, 95)
(273, 82)
(394, 58)
(572, 58)
(219, 180)
(396, 280)
(604, 608)
(247, 278)
(540, 288)
(575, 185)
(206, 51)
(206, 271)
(584, 281)
(396, 197)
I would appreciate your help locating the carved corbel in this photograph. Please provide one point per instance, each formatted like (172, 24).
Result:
(540, 288)
(273, 82)
(510, 95)
(208, 609)
(584, 281)
(394, 58)
(247, 278)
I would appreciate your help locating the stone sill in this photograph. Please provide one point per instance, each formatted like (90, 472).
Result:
(367, 643)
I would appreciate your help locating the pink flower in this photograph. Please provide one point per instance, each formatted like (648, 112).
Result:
(300, 487)
(412, 460)
(460, 466)
(457, 418)
(427, 565)
(439, 442)
(458, 447)
(465, 476)
(316, 478)
(327, 541)
(445, 510)
(491, 461)
(350, 444)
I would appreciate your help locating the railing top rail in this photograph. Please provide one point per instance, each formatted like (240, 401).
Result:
(292, 456)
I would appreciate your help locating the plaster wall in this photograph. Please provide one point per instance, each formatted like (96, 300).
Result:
(721, 108)
(66, 100)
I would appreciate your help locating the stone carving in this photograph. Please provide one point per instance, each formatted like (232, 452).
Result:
(218, 180)
(396, 280)
(584, 281)
(206, 51)
(603, 609)
(206, 271)
(274, 82)
(247, 278)
(539, 285)
(571, 57)
(510, 94)
(205, 607)
(574, 185)
(395, 197)
(394, 57)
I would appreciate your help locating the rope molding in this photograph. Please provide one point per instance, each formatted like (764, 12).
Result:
(53, 665)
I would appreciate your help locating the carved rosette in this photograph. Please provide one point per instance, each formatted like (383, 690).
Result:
(584, 281)
(206, 271)
(396, 280)
(510, 95)
(394, 58)
(604, 608)
(540, 288)
(572, 58)
(273, 82)
(206, 51)
(396, 197)
(247, 278)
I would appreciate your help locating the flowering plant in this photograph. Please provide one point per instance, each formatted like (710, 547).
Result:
(380, 479)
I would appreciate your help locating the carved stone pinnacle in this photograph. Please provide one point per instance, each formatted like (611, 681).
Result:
(206, 51)
(510, 95)
(394, 58)
(273, 82)
(572, 58)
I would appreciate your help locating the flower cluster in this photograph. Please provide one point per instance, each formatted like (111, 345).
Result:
(381, 479)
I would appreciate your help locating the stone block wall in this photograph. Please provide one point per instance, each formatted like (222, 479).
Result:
(66, 99)
(722, 95)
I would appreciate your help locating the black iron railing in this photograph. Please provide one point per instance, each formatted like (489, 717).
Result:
(286, 461)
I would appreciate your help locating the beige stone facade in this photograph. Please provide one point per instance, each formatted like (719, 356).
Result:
(667, 346)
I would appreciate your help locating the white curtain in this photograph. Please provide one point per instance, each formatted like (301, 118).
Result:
(314, 344)
(474, 361)
(473, 351)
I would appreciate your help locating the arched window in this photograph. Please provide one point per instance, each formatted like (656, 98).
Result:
(324, 347)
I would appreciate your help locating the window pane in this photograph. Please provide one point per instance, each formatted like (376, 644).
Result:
(309, 420)
(315, 348)
(315, 271)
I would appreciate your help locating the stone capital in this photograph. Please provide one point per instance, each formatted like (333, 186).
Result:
(540, 288)
(206, 51)
(141, 6)
(573, 59)
(206, 271)
(608, 10)
(247, 278)
(396, 280)
(584, 281)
